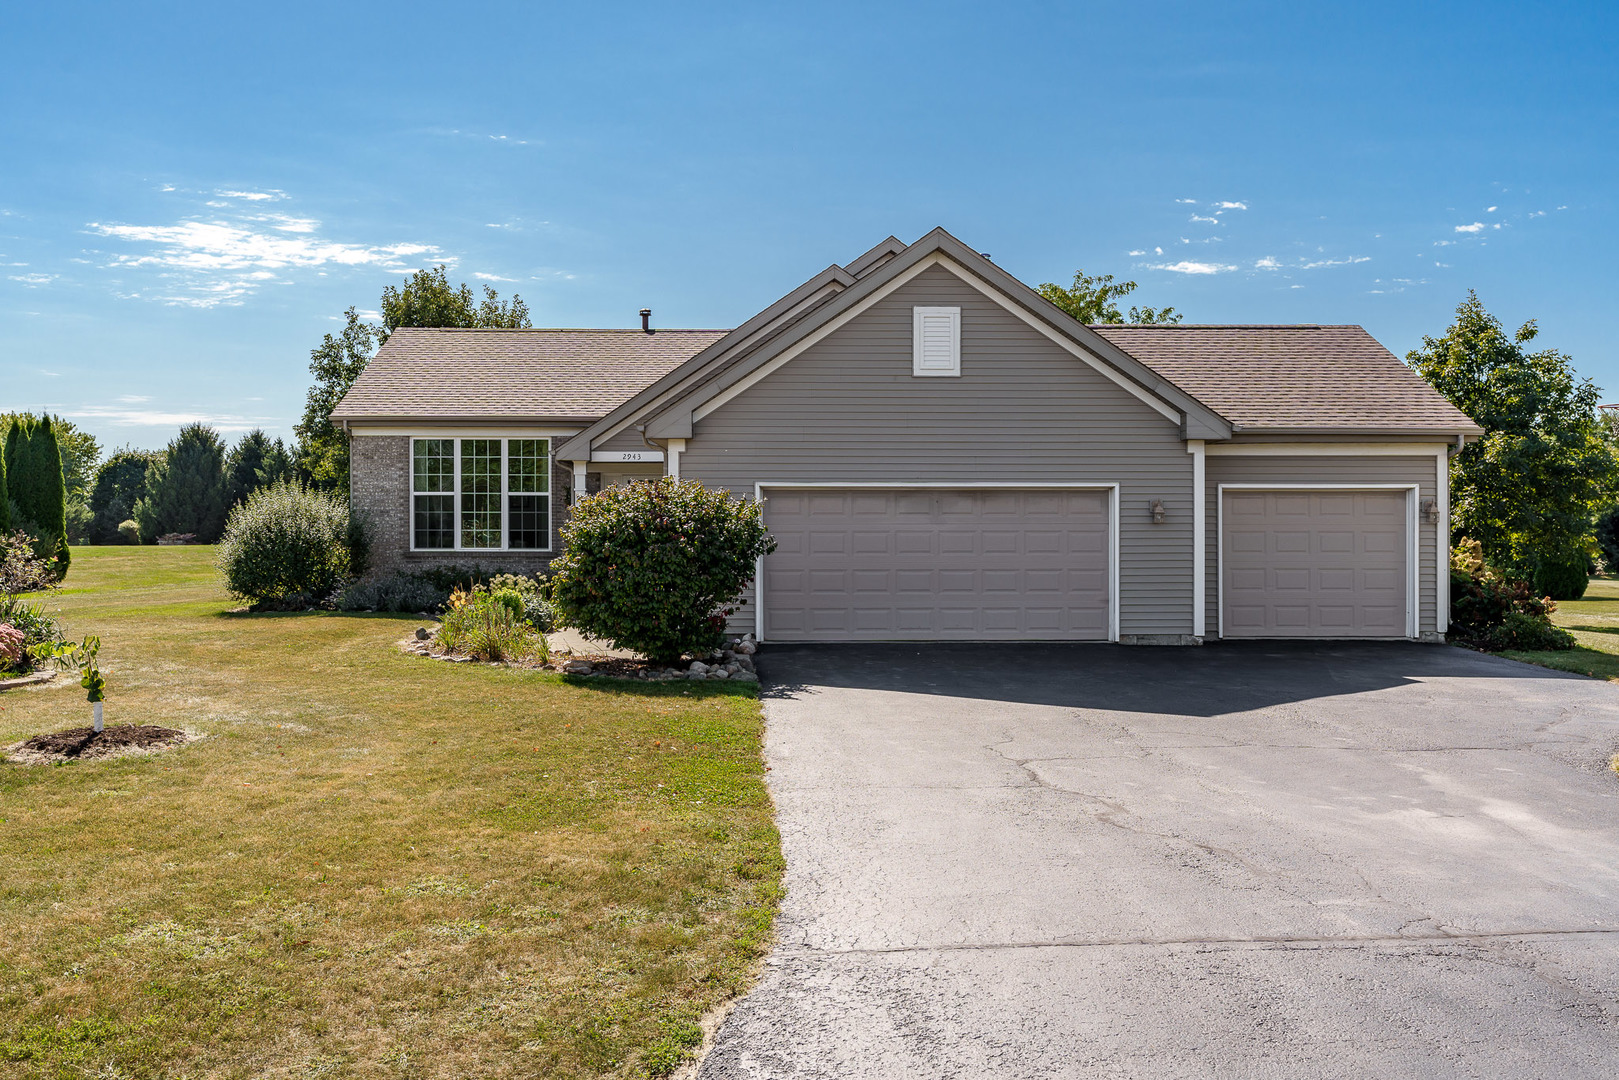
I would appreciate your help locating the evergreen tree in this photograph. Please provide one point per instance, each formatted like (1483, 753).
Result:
(186, 491)
(253, 464)
(36, 490)
(5, 496)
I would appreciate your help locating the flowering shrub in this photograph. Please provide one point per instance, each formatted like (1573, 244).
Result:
(13, 649)
(658, 566)
(489, 625)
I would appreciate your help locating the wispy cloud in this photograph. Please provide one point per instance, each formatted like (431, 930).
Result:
(224, 259)
(1205, 220)
(1188, 266)
(252, 196)
(1477, 227)
(228, 423)
(1320, 263)
(33, 281)
(491, 277)
(1135, 253)
(1269, 262)
(1187, 202)
(1231, 206)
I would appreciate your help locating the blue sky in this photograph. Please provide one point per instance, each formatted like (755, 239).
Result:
(191, 194)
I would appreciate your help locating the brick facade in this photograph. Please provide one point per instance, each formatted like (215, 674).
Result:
(379, 491)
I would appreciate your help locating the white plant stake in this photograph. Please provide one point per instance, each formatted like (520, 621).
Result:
(83, 657)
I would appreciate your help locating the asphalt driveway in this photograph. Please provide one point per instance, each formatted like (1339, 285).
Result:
(1246, 861)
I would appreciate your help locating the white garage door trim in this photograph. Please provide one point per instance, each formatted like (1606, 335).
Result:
(1112, 489)
(1412, 538)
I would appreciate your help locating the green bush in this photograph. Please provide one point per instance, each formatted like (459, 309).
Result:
(489, 625)
(129, 532)
(1527, 634)
(658, 566)
(1563, 578)
(286, 547)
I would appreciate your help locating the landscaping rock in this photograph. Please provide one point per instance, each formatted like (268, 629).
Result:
(745, 676)
(577, 667)
(698, 668)
(423, 633)
(745, 663)
(696, 674)
(746, 647)
(719, 673)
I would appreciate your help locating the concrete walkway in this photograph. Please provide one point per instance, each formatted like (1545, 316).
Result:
(1260, 861)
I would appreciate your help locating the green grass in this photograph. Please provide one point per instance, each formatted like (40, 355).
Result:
(1594, 621)
(374, 865)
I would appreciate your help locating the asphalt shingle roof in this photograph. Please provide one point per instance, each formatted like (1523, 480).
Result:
(572, 375)
(1292, 377)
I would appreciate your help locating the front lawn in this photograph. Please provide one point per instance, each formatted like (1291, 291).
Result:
(1594, 621)
(373, 864)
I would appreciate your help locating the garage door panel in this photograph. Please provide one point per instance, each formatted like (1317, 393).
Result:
(1314, 564)
(959, 564)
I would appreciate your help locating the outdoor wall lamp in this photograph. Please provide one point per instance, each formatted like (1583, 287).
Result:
(1430, 511)
(1157, 508)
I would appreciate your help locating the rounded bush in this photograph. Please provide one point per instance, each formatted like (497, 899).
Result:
(657, 566)
(1562, 578)
(129, 532)
(287, 546)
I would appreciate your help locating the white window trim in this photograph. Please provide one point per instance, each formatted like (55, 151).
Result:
(1413, 549)
(918, 314)
(505, 494)
(1112, 489)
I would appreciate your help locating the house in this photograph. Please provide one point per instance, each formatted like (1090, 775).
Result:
(944, 455)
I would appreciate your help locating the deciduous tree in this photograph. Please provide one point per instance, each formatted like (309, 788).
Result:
(1095, 300)
(1529, 488)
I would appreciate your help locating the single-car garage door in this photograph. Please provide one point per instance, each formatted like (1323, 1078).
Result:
(908, 564)
(1327, 564)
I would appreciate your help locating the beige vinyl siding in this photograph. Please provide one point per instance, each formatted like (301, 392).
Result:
(1024, 410)
(1325, 469)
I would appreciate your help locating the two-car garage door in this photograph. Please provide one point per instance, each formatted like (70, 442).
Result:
(935, 564)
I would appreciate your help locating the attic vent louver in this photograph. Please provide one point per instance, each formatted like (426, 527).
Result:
(936, 341)
(646, 320)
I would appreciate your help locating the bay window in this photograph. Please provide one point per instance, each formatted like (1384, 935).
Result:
(485, 494)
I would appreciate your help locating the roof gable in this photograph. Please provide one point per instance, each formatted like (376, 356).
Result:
(697, 385)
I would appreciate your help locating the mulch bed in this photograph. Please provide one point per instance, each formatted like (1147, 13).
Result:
(87, 744)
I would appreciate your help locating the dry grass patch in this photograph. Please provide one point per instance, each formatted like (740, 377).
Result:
(371, 866)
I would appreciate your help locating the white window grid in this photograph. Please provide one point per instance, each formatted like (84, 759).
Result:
(505, 492)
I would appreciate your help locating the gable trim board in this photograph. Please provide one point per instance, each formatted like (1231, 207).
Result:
(1112, 489)
(1412, 552)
